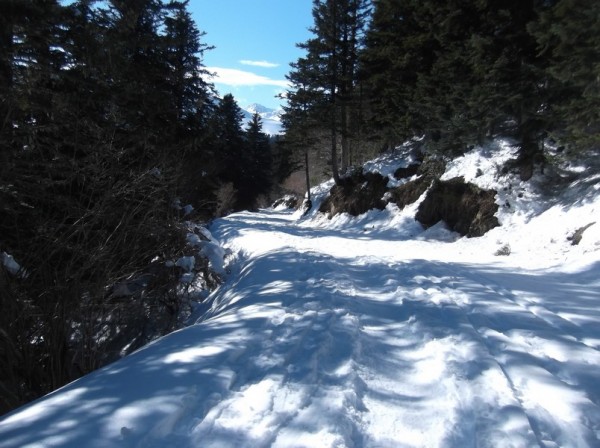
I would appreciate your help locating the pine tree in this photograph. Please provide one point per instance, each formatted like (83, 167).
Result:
(191, 105)
(184, 53)
(399, 49)
(516, 71)
(284, 158)
(139, 73)
(304, 114)
(13, 13)
(258, 150)
(31, 66)
(229, 141)
(93, 136)
(329, 69)
(568, 35)
(458, 72)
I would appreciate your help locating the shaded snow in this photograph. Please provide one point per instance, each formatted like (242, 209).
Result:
(8, 261)
(366, 332)
(210, 248)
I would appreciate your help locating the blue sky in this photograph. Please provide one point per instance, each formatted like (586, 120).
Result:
(255, 42)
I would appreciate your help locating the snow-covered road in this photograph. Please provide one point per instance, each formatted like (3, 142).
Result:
(342, 338)
(364, 343)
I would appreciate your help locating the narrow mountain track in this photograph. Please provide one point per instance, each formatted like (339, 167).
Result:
(340, 339)
(448, 333)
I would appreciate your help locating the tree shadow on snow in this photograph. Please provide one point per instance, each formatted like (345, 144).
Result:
(313, 326)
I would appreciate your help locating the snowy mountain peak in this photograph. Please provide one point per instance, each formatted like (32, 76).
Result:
(271, 118)
(259, 108)
(264, 112)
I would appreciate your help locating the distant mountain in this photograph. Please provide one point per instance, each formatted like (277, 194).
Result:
(271, 118)
(262, 110)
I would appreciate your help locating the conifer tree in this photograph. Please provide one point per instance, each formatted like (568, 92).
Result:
(258, 150)
(512, 80)
(191, 105)
(92, 129)
(229, 141)
(398, 50)
(13, 15)
(184, 52)
(304, 113)
(139, 72)
(330, 68)
(458, 72)
(568, 34)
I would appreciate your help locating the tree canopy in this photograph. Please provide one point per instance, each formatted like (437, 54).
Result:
(107, 120)
(451, 74)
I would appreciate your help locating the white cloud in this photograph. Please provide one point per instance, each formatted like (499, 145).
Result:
(233, 77)
(265, 64)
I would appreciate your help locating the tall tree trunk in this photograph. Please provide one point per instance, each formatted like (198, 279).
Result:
(334, 157)
(333, 61)
(306, 168)
(345, 138)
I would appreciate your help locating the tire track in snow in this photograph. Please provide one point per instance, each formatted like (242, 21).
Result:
(427, 349)
(534, 376)
(452, 276)
(329, 349)
(534, 307)
(486, 410)
(302, 363)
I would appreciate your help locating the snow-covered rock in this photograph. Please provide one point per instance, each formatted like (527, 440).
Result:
(9, 263)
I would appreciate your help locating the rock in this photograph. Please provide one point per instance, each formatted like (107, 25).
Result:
(464, 207)
(409, 192)
(575, 239)
(356, 195)
(431, 168)
(287, 202)
(409, 171)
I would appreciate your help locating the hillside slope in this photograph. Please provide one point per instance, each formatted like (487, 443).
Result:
(368, 331)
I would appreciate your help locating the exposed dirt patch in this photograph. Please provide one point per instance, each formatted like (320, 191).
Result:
(464, 207)
(356, 194)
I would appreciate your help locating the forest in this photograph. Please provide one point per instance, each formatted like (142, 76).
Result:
(109, 122)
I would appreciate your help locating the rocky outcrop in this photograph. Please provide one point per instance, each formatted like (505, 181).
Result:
(356, 194)
(409, 192)
(289, 201)
(464, 207)
(409, 171)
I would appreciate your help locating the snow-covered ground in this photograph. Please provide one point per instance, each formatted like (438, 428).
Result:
(367, 332)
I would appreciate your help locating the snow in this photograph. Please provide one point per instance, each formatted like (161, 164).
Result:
(210, 248)
(186, 263)
(271, 118)
(367, 332)
(8, 261)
